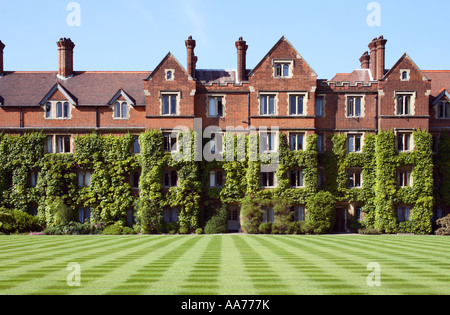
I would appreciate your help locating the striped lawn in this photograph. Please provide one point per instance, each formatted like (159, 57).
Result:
(224, 264)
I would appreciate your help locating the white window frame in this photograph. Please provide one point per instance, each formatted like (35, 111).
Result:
(217, 99)
(299, 178)
(408, 75)
(295, 146)
(266, 183)
(268, 214)
(353, 98)
(166, 74)
(304, 97)
(407, 139)
(353, 175)
(275, 103)
(84, 179)
(444, 108)
(169, 140)
(354, 137)
(268, 141)
(51, 110)
(121, 115)
(213, 179)
(404, 96)
(177, 96)
(171, 183)
(404, 177)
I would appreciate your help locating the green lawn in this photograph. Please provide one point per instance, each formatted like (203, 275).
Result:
(225, 264)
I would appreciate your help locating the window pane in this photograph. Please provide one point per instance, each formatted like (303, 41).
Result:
(271, 105)
(117, 110)
(50, 144)
(357, 143)
(219, 179)
(60, 144)
(400, 214)
(166, 215)
(278, 71)
(173, 178)
(80, 180)
(351, 143)
(271, 179)
(212, 107)
(300, 141)
(286, 70)
(300, 179)
(407, 104)
(400, 105)
(264, 105)
(212, 179)
(166, 179)
(87, 179)
(59, 110)
(300, 105)
(136, 146)
(48, 110)
(319, 143)
(124, 110)
(358, 107)
(136, 180)
(219, 107)
(350, 107)
(293, 142)
(166, 105)
(319, 105)
(407, 213)
(174, 214)
(66, 144)
(293, 179)
(293, 105)
(66, 110)
(173, 105)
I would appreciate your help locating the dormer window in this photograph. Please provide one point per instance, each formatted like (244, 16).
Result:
(404, 75)
(170, 74)
(121, 110)
(444, 110)
(57, 110)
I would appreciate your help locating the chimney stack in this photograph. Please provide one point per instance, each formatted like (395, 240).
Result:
(2, 46)
(242, 47)
(191, 58)
(365, 60)
(381, 57)
(373, 59)
(65, 52)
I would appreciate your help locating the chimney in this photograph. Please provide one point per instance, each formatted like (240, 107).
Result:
(373, 59)
(191, 58)
(365, 60)
(65, 52)
(381, 57)
(2, 46)
(242, 47)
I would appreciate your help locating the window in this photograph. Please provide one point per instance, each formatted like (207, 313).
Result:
(57, 110)
(403, 213)
(354, 143)
(404, 104)
(169, 104)
(267, 105)
(283, 68)
(296, 179)
(215, 107)
(84, 214)
(320, 110)
(216, 179)
(121, 110)
(216, 143)
(405, 75)
(269, 214)
(136, 146)
(170, 179)
(296, 105)
(354, 179)
(135, 180)
(321, 178)
(170, 215)
(404, 142)
(354, 106)
(267, 179)
(299, 213)
(404, 178)
(268, 142)
(320, 143)
(296, 141)
(62, 144)
(444, 110)
(170, 74)
(170, 142)
(49, 145)
(84, 179)
(358, 212)
(33, 179)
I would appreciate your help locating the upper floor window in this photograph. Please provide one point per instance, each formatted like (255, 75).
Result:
(404, 75)
(299, 213)
(404, 177)
(267, 105)
(267, 179)
(216, 143)
(57, 110)
(403, 213)
(170, 74)
(404, 104)
(296, 179)
(296, 141)
(215, 107)
(268, 214)
(354, 179)
(283, 68)
(216, 179)
(170, 142)
(320, 106)
(320, 143)
(404, 141)
(268, 142)
(84, 179)
(354, 106)
(170, 179)
(444, 110)
(170, 214)
(136, 145)
(135, 179)
(169, 104)
(297, 105)
(121, 110)
(354, 143)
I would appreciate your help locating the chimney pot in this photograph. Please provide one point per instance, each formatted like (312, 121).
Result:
(191, 58)
(365, 60)
(381, 57)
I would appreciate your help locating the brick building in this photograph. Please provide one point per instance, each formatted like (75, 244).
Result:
(281, 91)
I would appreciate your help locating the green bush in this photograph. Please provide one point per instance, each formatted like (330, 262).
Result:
(114, 229)
(53, 230)
(16, 221)
(265, 228)
(127, 231)
(218, 224)
(445, 226)
(369, 231)
(321, 213)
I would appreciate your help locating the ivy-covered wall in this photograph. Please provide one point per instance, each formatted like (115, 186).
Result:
(55, 196)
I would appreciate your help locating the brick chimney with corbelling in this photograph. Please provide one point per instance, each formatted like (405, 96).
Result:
(381, 57)
(373, 59)
(191, 58)
(365, 60)
(242, 47)
(65, 54)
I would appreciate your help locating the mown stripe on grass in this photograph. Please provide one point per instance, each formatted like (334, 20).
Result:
(265, 280)
(141, 281)
(30, 278)
(203, 279)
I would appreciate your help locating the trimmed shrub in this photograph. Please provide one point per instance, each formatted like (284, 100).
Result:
(265, 228)
(16, 221)
(321, 213)
(445, 226)
(218, 223)
(114, 229)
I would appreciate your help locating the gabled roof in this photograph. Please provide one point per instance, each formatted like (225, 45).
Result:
(91, 88)
(124, 94)
(282, 39)
(358, 75)
(60, 88)
(440, 80)
(405, 56)
(169, 55)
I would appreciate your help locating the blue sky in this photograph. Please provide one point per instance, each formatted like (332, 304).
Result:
(135, 35)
